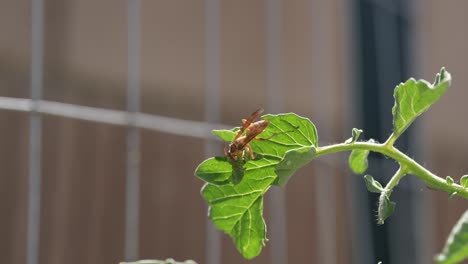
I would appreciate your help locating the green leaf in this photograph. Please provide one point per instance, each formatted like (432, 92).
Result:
(235, 195)
(237, 209)
(413, 98)
(355, 136)
(225, 135)
(456, 247)
(386, 208)
(292, 161)
(217, 170)
(289, 131)
(464, 181)
(373, 185)
(449, 180)
(358, 160)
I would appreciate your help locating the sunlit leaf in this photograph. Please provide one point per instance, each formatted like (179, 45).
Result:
(235, 189)
(413, 98)
(456, 246)
(237, 209)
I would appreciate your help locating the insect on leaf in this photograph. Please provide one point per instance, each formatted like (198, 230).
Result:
(288, 131)
(413, 98)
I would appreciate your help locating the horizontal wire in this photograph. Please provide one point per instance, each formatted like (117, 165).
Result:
(170, 125)
(180, 127)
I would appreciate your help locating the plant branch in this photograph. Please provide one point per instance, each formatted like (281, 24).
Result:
(411, 166)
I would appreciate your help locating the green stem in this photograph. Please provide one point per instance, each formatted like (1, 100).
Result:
(402, 171)
(409, 164)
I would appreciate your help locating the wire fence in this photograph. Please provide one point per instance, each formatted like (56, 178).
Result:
(134, 120)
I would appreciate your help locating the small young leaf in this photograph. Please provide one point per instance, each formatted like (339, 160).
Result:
(358, 160)
(386, 208)
(355, 136)
(215, 170)
(413, 98)
(372, 185)
(292, 161)
(456, 247)
(464, 181)
(449, 180)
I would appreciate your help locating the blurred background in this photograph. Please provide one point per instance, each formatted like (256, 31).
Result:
(80, 191)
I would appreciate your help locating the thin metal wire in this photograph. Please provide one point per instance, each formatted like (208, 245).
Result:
(356, 194)
(213, 252)
(35, 133)
(188, 128)
(423, 220)
(325, 190)
(276, 197)
(132, 211)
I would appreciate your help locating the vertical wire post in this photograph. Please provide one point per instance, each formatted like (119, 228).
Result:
(132, 207)
(325, 191)
(274, 93)
(35, 132)
(212, 109)
(360, 233)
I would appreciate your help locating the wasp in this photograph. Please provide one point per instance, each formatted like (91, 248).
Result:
(237, 149)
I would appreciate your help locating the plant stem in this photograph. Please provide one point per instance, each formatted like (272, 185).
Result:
(402, 171)
(409, 164)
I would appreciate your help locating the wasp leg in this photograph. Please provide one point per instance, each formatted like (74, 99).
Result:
(249, 148)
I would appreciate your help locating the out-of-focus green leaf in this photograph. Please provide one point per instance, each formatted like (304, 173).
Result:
(456, 246)
(449, 180)
(413, 98)
(464, 181)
